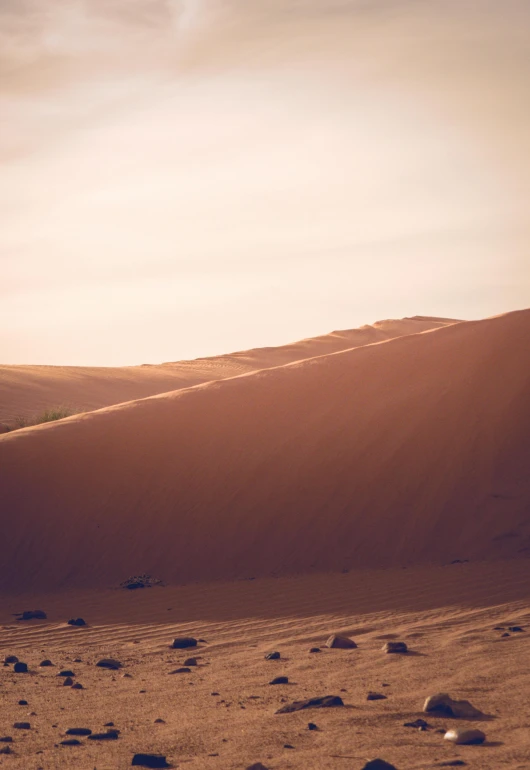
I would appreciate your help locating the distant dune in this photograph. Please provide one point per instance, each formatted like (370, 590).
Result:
(26, 391)
(409, 451)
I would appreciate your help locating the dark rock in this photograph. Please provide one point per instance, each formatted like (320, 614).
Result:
(79, 731)
(378, 764)
(505, 634)
(6, 739)
(395, 647)
(10, 659)
(273, 656)
(108, 724)
(6, 750)
(76, 622)
(160, 721)
(288, 746)
(22, 726)
(77, 660)
(417, 723)
(257, 766)
(20, 668)
(499, 628)
(22, 703)
(149, 760)
(375, 696)
(279, 680)
(183, 642)
(515, 629)
(315, 649)
(110, 663)
(68, 681)
(45, 663)
(32, 615)
(451, 763)
(66, 672)
(181, 670)
(190, 662)
(312, 726)
(327, 701)
(110, 735)
(77, 686)
(339, 642)
(70, 742)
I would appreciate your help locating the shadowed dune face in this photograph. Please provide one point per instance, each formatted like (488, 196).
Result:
(26, 391)
(414, 450)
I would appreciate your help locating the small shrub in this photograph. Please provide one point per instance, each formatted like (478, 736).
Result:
(49, 415)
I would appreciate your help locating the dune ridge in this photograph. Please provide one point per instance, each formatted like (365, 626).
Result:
(26, 391)
(411, 451)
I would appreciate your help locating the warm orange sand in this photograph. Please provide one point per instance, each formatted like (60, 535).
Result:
(445, 614)
(407, 453)
(410, 451)
(26, 391)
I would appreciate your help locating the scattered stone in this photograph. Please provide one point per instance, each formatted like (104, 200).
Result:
(140, 581)
(465, 737)
(160, 721)
(257, 766)
(68, 682)
(149, 760)
(109, 663)
(338, 642)
(6, 750)
(444, 704)
(273, 656)
(10, 659)
(499, 628)
(110, 735)
(288, 746)
(181, 670)
(183, 642)
(32, 615)
(45, 663)
(312, 726)
(6, 739)
(451, 763)
(378, 764)
(66, 672)
(190, 662)
(79, 731)
(127, 676)
(76, 622)
(22, 726)
(70, 742)
(20, 668)
(279, 680)
(505, 634)
(315, 649)
(328, 701)
(516, 629)
(22, 703)
(77, 686)
(108, 724)
(375, 696)
(395, 647)
(77, 660)
(419, 723)
(215, 693)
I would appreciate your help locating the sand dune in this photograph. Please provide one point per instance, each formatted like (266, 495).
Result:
(409, 451)
(26, 391)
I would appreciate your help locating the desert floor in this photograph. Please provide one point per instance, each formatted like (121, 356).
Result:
(222, 713)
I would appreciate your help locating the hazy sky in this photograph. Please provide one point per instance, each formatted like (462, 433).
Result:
(182, 178)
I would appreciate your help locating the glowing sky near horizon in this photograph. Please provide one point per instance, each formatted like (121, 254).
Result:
(181, 178)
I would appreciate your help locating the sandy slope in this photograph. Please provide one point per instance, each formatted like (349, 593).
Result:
(26, 391)
(409, 451)
(221, 715)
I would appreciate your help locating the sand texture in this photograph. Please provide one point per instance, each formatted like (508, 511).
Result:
(414, 450)
(26, 391)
